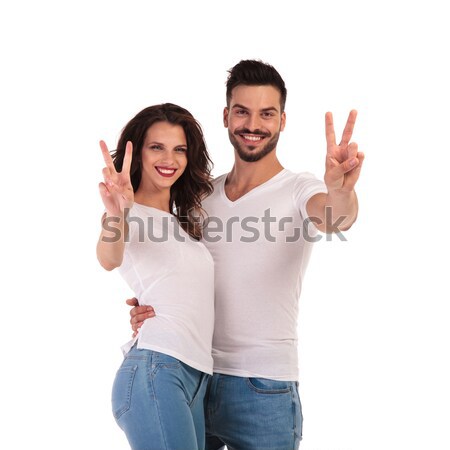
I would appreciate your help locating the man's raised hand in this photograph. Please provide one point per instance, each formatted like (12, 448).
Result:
(343, 162)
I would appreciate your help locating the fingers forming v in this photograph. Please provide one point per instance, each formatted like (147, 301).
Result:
(127, 158)
(348, 130)
(329, 132)
(107, 157)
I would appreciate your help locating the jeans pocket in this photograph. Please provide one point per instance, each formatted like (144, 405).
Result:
(121, 391)
(266, 386)
(200, 391)
(299, 413)
(163, 361)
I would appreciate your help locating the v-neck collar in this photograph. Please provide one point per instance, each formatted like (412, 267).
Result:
(249, 193)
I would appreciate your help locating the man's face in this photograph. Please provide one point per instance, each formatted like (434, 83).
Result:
(254, 120)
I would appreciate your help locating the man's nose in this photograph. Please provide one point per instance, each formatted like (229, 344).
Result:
(253, 122)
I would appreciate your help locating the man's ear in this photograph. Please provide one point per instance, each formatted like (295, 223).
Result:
(225, 117)
(283, 121)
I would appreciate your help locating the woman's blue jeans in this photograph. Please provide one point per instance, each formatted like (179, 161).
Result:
(158, 402)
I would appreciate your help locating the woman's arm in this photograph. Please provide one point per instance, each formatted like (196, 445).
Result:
(118, 196)
(111, 243)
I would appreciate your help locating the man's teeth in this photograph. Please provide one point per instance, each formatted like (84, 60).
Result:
(252, 138)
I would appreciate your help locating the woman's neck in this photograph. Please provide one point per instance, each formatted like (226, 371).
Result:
(156, 199)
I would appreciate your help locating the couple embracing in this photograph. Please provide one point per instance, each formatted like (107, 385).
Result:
(216, 267)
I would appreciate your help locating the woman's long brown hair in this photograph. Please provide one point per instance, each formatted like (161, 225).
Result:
(194, 184)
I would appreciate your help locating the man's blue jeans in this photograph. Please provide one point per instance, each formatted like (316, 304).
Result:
(158, 402)
(252, 414)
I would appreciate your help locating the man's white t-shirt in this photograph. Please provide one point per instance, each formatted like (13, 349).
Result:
(175, 274)
(261, 244)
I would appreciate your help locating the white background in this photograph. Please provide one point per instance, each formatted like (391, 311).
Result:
(373, 322)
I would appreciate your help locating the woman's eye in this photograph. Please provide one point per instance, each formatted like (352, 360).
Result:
(155, 147)
(181, 149)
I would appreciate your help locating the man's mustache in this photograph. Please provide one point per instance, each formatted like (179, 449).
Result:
(254, 132)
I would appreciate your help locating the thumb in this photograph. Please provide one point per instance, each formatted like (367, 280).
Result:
(132, 302)
(341, 169)
(103, 189)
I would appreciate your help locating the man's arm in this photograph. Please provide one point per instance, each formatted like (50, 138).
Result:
(337, 210)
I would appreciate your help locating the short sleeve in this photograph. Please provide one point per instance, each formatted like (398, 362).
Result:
(306, 185)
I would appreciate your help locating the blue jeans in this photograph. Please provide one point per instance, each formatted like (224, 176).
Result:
(158, 402)
(252, 414)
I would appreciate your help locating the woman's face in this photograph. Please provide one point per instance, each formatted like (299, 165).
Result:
(164, 156)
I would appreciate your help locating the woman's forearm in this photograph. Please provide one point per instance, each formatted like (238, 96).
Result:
(111, 243)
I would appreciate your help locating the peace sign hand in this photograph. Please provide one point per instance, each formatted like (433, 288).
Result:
(343, 163)
(116, 191)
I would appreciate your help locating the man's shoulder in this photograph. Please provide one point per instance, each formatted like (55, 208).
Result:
(300, 175)
(292, 180)
(217, 180)
(304, 184)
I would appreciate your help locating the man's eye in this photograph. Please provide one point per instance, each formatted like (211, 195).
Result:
(267, 114)
(241, 112)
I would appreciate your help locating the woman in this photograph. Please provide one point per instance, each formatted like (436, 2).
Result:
(152, 189)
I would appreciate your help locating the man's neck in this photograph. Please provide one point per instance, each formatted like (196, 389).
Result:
(245, 176)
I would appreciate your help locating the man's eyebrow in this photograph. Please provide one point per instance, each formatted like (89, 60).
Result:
(237, 105)
(270, 108)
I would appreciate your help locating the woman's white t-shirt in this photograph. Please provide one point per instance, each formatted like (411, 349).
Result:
(173, 273)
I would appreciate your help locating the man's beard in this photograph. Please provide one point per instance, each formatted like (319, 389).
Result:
(253, 156)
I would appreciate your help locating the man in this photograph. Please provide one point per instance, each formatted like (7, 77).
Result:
(261, 224)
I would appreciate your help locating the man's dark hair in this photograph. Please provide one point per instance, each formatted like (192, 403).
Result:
(251, 72)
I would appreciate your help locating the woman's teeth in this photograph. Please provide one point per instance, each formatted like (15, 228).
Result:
(163, 171)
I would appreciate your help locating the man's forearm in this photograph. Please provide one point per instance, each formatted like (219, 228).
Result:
(341, 207)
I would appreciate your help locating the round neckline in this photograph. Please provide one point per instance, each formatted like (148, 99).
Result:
(161, 211)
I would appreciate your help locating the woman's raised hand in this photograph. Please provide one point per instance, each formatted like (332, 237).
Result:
(116, 190)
